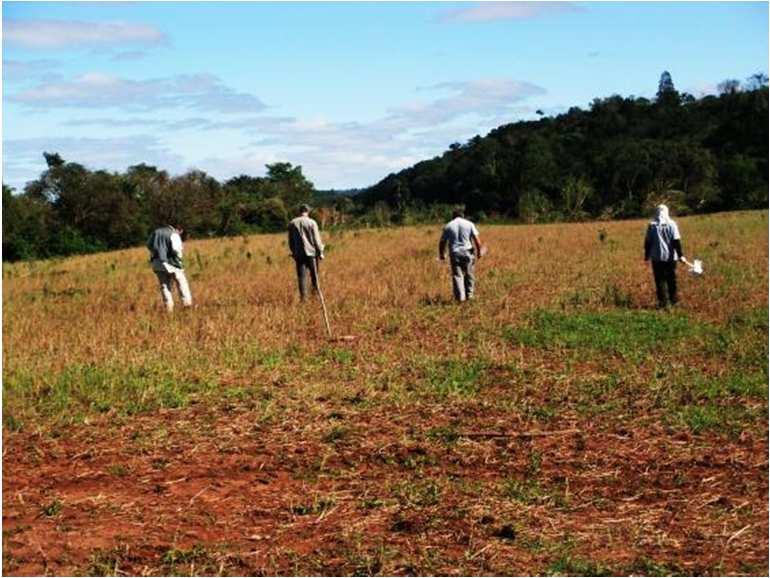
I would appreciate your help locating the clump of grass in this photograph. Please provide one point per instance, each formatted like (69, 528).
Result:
(523, 491)
(176, 560)
(567, 565)
(454, 377)
(715, 417)
(52, 508)
(318, 505)
(82, 390)
(336, 434)
(445, 434)
(648, 567)
(106, 562)
(418, 493)
(624, 332)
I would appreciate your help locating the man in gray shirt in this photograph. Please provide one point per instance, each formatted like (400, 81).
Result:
(165, 246)
(462, 237)
(306, 249)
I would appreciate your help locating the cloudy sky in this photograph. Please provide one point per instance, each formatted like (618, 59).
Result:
(350, 91)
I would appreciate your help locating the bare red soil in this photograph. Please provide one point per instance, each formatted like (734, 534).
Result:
(205, 491)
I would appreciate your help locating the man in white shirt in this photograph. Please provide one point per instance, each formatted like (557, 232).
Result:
(462, 237)
(165, 246)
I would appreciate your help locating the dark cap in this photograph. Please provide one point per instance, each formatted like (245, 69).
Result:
(304, 208)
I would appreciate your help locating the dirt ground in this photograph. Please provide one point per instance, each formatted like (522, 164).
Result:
(196, 491)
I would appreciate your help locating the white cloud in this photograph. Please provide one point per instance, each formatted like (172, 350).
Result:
(493, 11)
(128, 55)
(93, 90)
(23, 158)
(75, 33)
(492, 97)
(332, 153)
(20, 70)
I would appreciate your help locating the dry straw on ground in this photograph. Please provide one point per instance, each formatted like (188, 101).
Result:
(235, 439)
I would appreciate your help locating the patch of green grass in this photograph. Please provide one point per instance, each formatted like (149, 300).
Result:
(628, 333)
(196, 560)
(82, 390)
(455, 377)
(337, 355)
(567, 565)
(105, 562)
(648, 567)
(523, 491)
(52, 508)
(720, 418)
(447, 435)
(336, 434)
(318, 505)
(118, 470)
(11, 423)
(418, 493)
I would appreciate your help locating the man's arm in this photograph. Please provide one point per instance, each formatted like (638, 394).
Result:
(477, 244)
(442, 246)
(676, 243)
(176, 245)
(319, 246)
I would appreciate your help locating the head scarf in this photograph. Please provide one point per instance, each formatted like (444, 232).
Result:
(661, 215)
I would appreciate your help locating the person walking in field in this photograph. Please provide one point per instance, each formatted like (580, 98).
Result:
(462, 238)
(306, 249)
(663, 246)
(165, 246)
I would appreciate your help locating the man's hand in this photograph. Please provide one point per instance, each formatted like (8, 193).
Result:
(321, 257)
(442, 257)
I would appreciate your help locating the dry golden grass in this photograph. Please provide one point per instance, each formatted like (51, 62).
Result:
(563, 336)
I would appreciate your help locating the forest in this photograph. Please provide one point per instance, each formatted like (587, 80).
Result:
(614, 160)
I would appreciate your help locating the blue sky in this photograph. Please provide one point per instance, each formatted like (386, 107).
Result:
(350, 91)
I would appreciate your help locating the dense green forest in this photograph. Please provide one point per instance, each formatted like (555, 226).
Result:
(615, 160)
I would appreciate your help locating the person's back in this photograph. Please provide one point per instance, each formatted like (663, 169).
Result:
(663, 247)
(306, 249)
(304, 238)
(458, 234)
(165, 246)
(662, 242)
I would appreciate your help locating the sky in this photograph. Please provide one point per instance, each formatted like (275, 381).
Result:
(350, 91)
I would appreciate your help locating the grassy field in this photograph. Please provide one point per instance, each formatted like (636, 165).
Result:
(559, 424)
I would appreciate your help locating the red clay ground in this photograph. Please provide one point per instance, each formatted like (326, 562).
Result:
(197, 491)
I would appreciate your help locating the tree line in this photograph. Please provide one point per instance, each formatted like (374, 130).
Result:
(70, 209)
(616, 159)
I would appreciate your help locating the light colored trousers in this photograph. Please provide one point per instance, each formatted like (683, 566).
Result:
(169, 276)
(463, 276)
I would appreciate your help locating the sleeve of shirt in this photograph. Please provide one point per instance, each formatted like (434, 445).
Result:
(176, 244)
(675, 231)
(475, 230)
(317, 238)
(677, 246)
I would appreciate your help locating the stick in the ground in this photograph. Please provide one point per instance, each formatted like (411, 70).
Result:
(525, 434)
(321, 297)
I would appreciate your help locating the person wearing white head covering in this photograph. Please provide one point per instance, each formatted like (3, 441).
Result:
(663, 246)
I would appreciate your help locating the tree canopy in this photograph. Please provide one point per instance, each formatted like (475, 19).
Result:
(616, 159)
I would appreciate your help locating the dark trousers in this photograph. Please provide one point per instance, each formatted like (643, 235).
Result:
(306, 265)
(664, 273)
